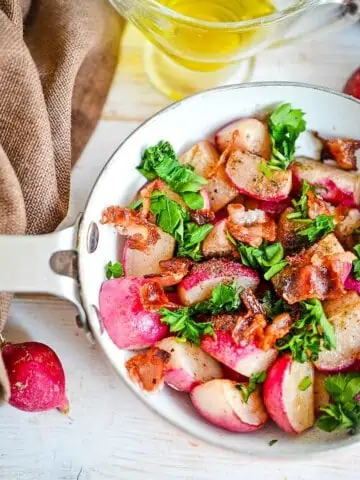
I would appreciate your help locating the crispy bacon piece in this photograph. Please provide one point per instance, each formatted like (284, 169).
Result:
(148, 369)
(342, 150)
(349, 221)
(251, 226)
(224, 156)
(318, 272)
(280, 327)
(287, 232)
(132, 224)
(203, 216)
(173, 271)
(225, 321)
(160, 185)
(153, 297)
(251, 302)
(250, 327)
(318, 206)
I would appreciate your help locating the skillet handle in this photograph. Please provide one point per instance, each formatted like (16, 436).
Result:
(43, 264)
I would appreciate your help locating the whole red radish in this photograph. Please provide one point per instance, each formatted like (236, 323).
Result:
(352, 86)
(36, 376)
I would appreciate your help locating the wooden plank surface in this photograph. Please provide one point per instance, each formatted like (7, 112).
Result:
(109, 433)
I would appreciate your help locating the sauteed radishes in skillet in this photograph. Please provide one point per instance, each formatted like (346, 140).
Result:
(239, 280)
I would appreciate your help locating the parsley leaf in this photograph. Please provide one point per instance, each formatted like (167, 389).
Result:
(274, 306)
(170, 215)
(113, 270)
(161, 161)
(193, 200)
(136, 204)
(194, 235)
(186, 328)
(318, 228)
(182, 321)
(309, 334)
(268, 258)
(356, 262)
(272, 442)
(285, 125)
(344, 411)
(255, 380)
(300, 205)
(304, 384)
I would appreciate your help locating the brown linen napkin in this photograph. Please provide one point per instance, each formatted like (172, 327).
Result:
(57, 59)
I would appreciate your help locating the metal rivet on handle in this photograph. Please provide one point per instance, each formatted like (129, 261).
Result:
(93, 237)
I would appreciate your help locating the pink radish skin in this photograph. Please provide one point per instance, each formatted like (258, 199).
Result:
(272, 208)
(188, 365)
(230, 374)
(222, 404)
(340, 186)
(124, 318)
(217, 243)
(36, 376)
(289, 407)
(206, 198)
(344, 314)
(138, 263)
(352, 284)
(243, 170)
(246, 360)
(204, 277)
(247, 134)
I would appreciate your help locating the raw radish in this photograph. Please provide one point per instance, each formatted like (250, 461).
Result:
(217, 243)
(204, 277)
(291, 408)
(36, 376)
(321, 396)
(139, 263)
(222, 404)
(344, 314)
(124, 318)
(247, 134)
(352, 86)
(188, 365)
(246, 360)
(341, 187)
(243, 169)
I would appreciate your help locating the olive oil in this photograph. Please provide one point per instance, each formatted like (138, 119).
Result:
(209, 48)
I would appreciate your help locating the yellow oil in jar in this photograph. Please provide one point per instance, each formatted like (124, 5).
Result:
(206, 49)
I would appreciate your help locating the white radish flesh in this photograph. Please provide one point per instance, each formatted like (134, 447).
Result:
(217, 243)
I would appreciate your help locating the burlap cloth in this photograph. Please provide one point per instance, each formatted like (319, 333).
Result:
(57, 59)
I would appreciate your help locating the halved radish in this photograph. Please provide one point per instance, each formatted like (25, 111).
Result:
(321, 396)
(202, 156)
(217, 243)
(124, 318)
(340, 187)
(204, 277)
(272, 208)
(246, 360)
(344, 314)
(244, 171)
(139, 263)
(230, 374)
(222, 404)
(207, 204)
(221, 191)
(291, 407)
(188, 365)
(247, 134)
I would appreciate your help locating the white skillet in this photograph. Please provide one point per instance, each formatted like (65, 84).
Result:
(33, 264)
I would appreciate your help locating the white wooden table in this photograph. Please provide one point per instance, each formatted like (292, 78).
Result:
(109, 433)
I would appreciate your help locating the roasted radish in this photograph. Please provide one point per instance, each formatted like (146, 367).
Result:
(139, 263)
(203, 278)
(245, 170)
(338, 186)
(202, 156)
(188, 365)
(247, 134)
(221, 403)
(289, 394)
(127, 322)
(246, 360)
(344, 314)
(217, 243)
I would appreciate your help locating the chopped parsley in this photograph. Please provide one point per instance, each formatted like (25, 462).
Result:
(255, 380)
(318, 228)
(356, 262)
(194, 235)
(272, 442)
(268, 258)
(161, 161)
(182, 321)
(344, 409)
(305, 384)
(274, 306)
(310, 334)
(300, 205)
(114, 270)
(170, 215)
(285, 125)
